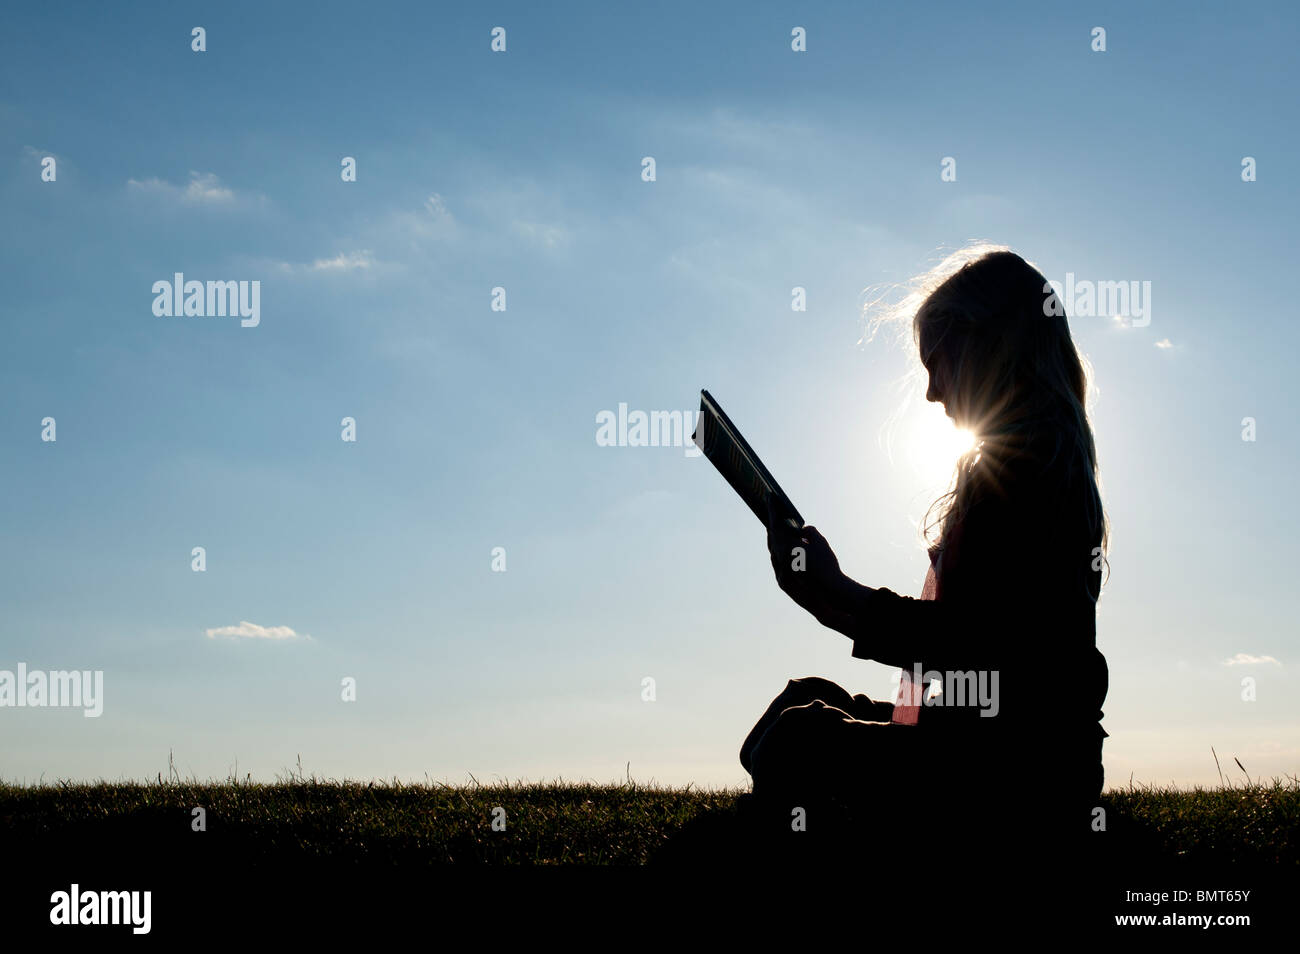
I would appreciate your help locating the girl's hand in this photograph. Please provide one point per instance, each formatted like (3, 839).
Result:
(807, 570)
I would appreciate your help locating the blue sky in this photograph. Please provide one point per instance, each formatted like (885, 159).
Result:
(476, 428)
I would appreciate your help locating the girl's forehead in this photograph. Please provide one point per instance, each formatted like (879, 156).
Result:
(929, 341)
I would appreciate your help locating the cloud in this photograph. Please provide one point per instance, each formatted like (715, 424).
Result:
(1246, 659)
(1164, 343)
(780, 138)
(343, 262)
(247, 630)
(39, 154)
(359, 260)
(436, 207)
(549, 236)
(204, 188)
(432, 221)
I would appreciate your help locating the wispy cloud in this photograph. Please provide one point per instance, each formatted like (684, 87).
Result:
(204, 188)
(343, 262)
(1164, 343)
(247, 630)
(433, 220)
(721, 126)
(1246, 659)
(359, 260)
(37, 155)
(436, 207)
(548, 236)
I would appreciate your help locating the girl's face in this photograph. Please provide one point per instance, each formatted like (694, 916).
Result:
(939, 366)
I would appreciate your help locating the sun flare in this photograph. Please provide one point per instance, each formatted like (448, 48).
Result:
(936, 444)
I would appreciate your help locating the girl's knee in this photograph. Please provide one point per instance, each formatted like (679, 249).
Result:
(802, 731)
(799, 692)
(800, 750)
(872, 710)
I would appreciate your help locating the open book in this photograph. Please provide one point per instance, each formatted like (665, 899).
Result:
(735, 460)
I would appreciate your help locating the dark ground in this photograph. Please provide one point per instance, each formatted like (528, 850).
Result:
(317, 848)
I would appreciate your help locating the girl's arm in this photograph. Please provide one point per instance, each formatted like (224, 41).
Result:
(900, 630)
(1002, 577)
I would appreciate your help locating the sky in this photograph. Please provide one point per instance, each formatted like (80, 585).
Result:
(493, 583)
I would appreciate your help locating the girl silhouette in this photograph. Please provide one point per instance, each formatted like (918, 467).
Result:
(1007, 618)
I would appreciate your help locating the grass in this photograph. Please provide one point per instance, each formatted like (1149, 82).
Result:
(1253, 823)
(314, 819)
(299, 820)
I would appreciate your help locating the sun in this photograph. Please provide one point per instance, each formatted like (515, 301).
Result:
(934, 445)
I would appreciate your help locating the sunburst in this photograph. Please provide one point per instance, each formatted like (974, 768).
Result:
(934, 444)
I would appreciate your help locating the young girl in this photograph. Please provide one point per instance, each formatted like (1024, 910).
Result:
(1011, 750)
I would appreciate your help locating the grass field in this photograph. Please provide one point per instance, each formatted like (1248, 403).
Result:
(307, 819)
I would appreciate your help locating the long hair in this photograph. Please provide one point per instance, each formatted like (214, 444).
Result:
(1017, 381)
